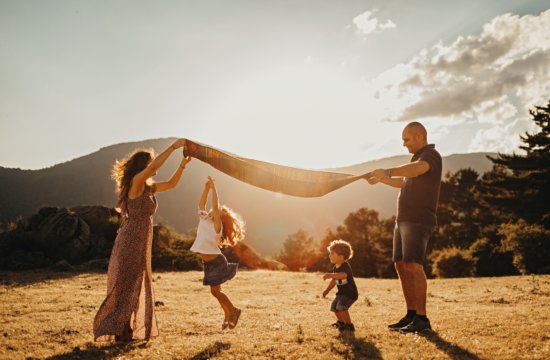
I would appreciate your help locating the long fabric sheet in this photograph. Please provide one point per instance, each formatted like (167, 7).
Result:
(268, 176)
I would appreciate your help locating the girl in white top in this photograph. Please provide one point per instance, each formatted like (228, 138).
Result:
(219, 226)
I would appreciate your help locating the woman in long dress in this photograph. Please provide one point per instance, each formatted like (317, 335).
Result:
(128, 311)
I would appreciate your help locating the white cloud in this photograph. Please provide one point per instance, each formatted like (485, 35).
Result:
(367, 24)
(490, 78)
(500, 139)
(508, 55)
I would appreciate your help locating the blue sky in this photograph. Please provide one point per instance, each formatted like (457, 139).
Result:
(313, 84)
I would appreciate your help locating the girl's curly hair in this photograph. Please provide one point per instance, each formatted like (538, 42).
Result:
(233, 226)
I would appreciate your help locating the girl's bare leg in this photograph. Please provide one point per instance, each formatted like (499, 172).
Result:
(224, 301)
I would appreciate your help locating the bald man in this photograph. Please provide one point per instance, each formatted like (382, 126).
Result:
(419, 182)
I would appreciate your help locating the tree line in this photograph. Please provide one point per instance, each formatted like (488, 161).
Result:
(491, 224)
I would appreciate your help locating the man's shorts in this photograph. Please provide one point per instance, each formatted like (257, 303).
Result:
(341, 303)
(410, 241)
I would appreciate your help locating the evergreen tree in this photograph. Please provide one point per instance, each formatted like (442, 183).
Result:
(461, 213)
(519, 185)
(299, 251)
(371, 240)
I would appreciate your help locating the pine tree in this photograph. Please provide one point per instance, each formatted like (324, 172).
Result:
(371, 239)
(519, 185)
(299, 251)
(461, 214)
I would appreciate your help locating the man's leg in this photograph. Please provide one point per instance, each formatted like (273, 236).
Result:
(420, 287)
(415, 239)
(407, 279)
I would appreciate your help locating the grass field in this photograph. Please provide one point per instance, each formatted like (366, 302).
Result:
(49, 315)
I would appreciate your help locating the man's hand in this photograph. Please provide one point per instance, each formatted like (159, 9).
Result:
(374, 177)
(379, 174)
(372, 180)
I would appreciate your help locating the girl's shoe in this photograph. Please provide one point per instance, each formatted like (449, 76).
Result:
(234, 318)
(225, 325)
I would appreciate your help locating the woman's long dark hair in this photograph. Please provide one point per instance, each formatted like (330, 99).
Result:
(124, 170)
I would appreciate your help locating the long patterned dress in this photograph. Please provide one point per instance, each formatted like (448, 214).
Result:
(128, 311)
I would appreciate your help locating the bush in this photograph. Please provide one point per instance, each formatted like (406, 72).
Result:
(529, 244)
(166, 237)
(171, 250)
(491, 261)
(453, 262)
(299, 251)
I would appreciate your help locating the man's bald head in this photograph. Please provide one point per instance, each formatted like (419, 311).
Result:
(415, 136)
(417, 128)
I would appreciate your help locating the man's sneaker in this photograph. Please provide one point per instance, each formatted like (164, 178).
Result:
(406, 320)
(417, 325)
(337, 324)
(347, 327)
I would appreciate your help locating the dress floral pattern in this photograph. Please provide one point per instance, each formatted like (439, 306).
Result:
(128, 311)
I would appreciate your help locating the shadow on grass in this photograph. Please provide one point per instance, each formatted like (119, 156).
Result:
(29, 277)
(453, 351)
(212, 351)
(37, 276)
(360, 348)
(93, 352)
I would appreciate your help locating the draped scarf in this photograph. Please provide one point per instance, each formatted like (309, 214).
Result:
(277, 178)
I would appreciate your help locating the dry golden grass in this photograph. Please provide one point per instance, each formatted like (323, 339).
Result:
(49, 315)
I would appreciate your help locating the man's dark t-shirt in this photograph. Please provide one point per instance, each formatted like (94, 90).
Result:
(417, 200)
(346, 286)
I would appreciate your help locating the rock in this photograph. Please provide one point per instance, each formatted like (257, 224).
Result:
(253, 260)
(104, 223)
(97, 216)
(54, 234)
(62, 265)
(22, 260)
(95, 265)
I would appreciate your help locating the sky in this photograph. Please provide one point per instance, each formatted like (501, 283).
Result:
(313, 84)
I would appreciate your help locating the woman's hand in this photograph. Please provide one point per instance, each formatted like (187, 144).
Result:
(185, 161)
(211, 182)
(179, 143)
(208, 184)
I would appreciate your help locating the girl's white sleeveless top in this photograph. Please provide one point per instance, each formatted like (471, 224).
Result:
(207, 239)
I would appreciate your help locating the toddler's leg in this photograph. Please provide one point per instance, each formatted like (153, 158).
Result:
(343, 316)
